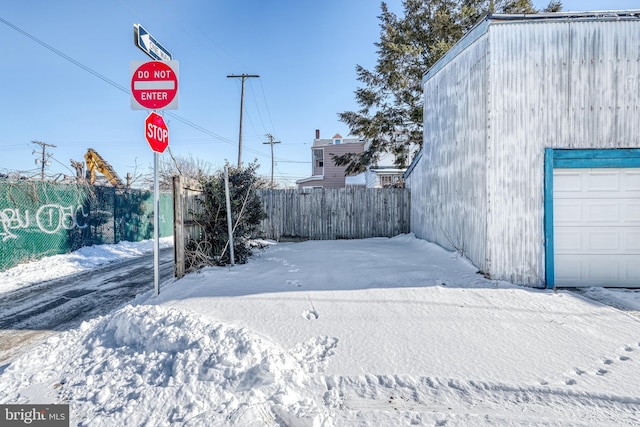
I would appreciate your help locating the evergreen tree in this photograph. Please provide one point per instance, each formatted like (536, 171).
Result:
(391, 105)
(246, 214)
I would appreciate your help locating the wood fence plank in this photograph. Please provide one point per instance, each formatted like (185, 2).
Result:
(328, 214)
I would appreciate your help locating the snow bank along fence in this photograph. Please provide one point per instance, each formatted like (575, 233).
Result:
(319, 214)
(39, 219)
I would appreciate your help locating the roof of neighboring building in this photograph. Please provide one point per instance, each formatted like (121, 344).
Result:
(325, 142)
(387, 170)
(355, 179)
(310, 179)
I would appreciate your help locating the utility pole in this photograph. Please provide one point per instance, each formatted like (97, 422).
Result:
(44, 160)
(243, 77)
(271, 142)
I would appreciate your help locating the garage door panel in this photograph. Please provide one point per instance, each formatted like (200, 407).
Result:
(597, 227)
(599, 181)
(632, 240)
(589, 212)
(603, 211)
(567, 212)
(631, 213)
(568, 270)
(571, 181)
(597, 240)
(603, 242)
(631, 181)
(569, 241)
(632, 274)
(597, 270)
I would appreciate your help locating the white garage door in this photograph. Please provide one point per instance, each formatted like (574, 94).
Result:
(596, 223)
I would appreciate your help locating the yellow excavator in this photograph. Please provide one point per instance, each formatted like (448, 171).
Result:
(95, 163)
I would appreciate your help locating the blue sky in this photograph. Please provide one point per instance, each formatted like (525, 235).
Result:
(305, 53)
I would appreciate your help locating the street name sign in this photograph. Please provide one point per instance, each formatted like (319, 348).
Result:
(156, 132)
(149, 45)
(154, 85)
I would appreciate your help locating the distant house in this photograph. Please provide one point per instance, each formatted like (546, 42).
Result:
(384, 172)
(325, 173)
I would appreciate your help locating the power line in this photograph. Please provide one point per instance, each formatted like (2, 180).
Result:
(108, 80)
(65, 56)
(128, 92)
(264, 96)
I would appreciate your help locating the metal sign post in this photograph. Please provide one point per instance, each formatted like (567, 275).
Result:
(157, 135)
(229, 220)
(154, 85)
(156, 226)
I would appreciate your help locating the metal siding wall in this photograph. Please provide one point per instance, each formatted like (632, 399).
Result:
(448, 186)
(528, 105)
(553, 84)
(605, 70)
(479, 186)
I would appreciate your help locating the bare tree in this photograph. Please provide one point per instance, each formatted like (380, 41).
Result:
(188, 166)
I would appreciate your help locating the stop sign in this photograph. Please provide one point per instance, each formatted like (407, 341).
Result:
(156, 132)
(154, 85)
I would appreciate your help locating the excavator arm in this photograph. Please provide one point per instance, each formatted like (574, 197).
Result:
(95, 163)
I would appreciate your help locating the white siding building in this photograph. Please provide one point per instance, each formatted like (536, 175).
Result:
(531, 157)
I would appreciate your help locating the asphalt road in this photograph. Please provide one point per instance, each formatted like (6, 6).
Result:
(33, 313)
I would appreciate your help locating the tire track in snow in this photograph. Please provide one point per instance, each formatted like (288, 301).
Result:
(439, 400)
(32, 314)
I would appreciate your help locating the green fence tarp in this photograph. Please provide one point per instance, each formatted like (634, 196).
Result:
(39, 219)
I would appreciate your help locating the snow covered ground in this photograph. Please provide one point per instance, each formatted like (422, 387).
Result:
(379, 332)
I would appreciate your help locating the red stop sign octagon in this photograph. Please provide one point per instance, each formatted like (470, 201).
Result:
(154, 85)
(156, 132)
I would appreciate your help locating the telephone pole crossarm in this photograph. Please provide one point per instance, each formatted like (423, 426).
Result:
(45, 155)
(271, 142)
(243, 77)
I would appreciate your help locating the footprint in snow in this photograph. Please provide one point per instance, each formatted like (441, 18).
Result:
(294, 283)
(310, 314)
(624, 358)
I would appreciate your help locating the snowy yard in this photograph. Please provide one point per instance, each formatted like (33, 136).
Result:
(374, 332)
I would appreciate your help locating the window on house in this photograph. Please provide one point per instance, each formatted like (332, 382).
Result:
(337, 141)
(317, 158)
(388, 180)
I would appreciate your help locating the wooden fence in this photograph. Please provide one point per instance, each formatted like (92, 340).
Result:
(329, 214)
(185, 228)
(318, 214)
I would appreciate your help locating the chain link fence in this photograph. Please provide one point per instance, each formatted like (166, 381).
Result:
(39, 219)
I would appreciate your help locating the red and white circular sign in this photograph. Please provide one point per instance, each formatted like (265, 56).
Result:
(156, 132)
(154, 85)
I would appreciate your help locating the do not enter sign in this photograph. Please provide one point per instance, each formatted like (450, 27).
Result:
(154, 85)
(156, 132)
